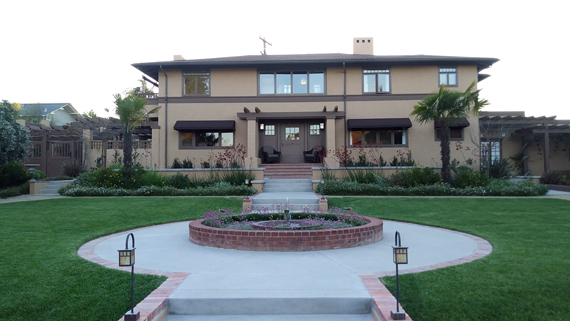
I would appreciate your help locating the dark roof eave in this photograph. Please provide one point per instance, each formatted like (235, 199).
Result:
(152, 68)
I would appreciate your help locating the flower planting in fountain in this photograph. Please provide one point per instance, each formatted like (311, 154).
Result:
(268, 219)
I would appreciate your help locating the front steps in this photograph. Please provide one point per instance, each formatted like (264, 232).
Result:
(303, 171)
(52, 188)
(294, 194)
(270, 297)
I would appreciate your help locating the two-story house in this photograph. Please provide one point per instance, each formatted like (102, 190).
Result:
(296, 102)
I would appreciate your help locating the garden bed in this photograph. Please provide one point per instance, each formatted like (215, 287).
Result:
(297, 240)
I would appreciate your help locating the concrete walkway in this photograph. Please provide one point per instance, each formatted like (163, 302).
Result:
(223, 283)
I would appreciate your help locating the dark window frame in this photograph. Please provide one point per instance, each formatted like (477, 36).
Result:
(194, 135)
(405, 136)
(377, 72)
(291, 73)
(447, 73)
(460, 129)
(195, 75)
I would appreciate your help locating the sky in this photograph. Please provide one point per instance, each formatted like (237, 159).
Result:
(81, 52)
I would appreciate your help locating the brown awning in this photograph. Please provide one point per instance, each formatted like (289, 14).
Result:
(453, 123)
(376, 123)
(218, 125)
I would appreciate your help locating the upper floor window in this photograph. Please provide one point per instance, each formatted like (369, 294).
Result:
(448, 76)
(197, 83)
(295, 82)
(376, 81)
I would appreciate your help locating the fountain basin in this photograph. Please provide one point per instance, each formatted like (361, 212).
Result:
(284, 225)
(291, 240)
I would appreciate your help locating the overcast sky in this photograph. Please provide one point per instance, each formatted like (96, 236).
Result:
(81, 52)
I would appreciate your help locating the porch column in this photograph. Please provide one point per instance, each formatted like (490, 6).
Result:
(329, 160)
(546, 149)
(155, 151)
(252, 159)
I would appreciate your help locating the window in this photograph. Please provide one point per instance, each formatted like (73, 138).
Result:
(296, 82)
(376, 81)
(314, 130)
(448, 76)
(455, 133)
(35, 150)
(61, 150)
(493, 148)
(269, 130)
(379, 138)
(197, 83)
(292, 133)
(207, 139)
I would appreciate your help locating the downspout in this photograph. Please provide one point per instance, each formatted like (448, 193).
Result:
(345, 121)
(165, 120)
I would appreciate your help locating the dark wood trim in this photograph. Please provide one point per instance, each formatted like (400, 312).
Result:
(291, 98)
(292, 115)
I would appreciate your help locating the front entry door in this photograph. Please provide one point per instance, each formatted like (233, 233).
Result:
(292, 143)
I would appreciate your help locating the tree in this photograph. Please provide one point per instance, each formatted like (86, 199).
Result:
(446, 107)
(131, 111)
(14, 137)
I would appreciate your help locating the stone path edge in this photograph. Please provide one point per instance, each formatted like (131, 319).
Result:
(383, 300)
(151, 306)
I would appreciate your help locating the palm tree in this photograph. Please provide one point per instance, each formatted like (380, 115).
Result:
(131, 111)
(447, 106)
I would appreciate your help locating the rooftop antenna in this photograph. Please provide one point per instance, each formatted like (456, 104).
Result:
(264, 42)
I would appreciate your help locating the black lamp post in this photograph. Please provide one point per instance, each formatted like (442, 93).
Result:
(127, 258)
(400, 257)
(247, 186)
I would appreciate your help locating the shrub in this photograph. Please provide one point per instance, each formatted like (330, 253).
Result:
(553, 177)
(74, 190)
(494, 188)
(500, 168)
(87, 179)
(176, 163)
(180, 181)
(466, 177)
(15, 191)
(186, 163)
(39, 174)
(236, 176)
(151, 177)
(415, 177)
(13, 174)
(73, 169)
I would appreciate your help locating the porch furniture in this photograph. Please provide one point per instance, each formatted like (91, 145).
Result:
(268, 154)
(315, 155)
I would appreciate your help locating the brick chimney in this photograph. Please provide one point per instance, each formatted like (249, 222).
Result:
(363, 46)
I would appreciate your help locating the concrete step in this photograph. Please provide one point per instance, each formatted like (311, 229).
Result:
(51, 188)
(293, 208)
(287, 181)
(286, 197)
(287, 189)
(284, 317)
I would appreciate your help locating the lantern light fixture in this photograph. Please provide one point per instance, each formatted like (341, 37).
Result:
(262, 126)
(400, 256)
(127, 258)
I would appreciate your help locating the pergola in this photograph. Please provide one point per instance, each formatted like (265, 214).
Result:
(519, 125)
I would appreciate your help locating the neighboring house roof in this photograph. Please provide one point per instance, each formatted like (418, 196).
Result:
(45, 109)
(152, 69)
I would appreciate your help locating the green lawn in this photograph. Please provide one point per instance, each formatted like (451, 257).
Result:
(526, 277)
(43, 278)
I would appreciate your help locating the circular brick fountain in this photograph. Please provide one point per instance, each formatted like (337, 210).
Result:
(295, 240)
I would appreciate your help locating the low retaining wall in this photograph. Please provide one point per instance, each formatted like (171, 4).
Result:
(312, 240)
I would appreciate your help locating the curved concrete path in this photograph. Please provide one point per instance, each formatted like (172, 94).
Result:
(333, 281)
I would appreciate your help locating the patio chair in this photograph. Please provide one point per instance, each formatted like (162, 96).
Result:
(315, 155)
(268, 154)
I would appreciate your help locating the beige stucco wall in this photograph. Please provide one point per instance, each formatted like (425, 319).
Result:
(233, 82)
(144, 158)
(243, 83)
(559, 159)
